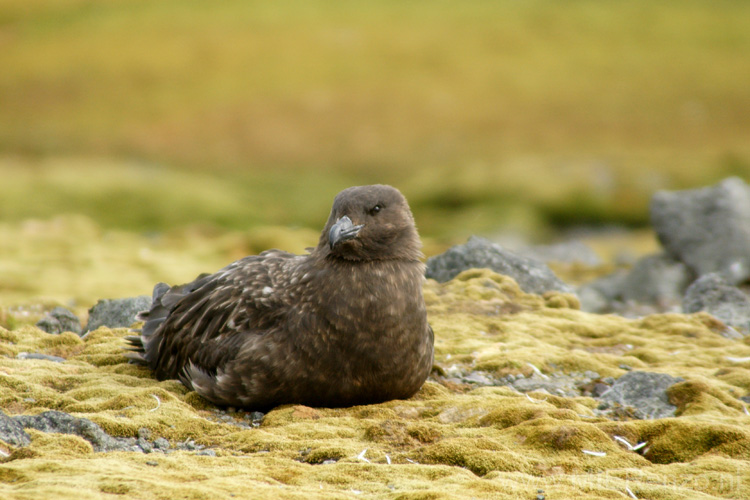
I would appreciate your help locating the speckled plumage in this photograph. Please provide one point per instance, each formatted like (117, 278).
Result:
(344, 325)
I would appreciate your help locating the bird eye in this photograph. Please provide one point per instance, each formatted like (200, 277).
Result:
(374, 210)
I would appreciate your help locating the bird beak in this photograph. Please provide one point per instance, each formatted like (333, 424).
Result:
(343, 230)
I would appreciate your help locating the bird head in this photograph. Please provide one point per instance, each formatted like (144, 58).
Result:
(371, 223)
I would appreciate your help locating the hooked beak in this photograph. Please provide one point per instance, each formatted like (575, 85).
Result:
(342, 231)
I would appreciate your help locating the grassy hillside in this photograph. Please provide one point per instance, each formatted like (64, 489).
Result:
(577, 109)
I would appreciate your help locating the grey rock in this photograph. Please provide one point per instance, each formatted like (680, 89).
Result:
(161, 444)
(188, 445)
(49, 325)
(645, 392)
(600, 295)
(12, 431)
(256, 416)
(144, 445)
(592, 300)
(36, 355)
(599, 389)
(657, 279)
(477, 378)
(712, 294)
(572, 251)
(207, 453)
(60, 320)
(708, 229)
(116, 313)
(531, 275)
(560, 386)
(64, 423)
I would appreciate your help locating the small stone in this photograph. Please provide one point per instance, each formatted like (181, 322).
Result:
(206, 453)
(49, 325)
(145, 445)
(116, 313)
(708, 228)
(36, 355)
(644, 391)
(592, 300)
(711, 293)
(571, 251)
(64, 423)
(12, 432)
(532, 276)
(477, 378)
(187, 445)
(600, 295)
(152, 463)
(60, 320)
(599, 389)
(657, 279)
(562, 386)
(161, 443)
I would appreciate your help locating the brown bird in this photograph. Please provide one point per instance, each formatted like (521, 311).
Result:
(343, 325)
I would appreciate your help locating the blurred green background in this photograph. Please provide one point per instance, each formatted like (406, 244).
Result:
(489, 115)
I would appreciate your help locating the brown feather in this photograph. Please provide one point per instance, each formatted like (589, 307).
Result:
(340, 326)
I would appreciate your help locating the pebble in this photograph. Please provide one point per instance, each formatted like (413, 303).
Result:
(161, 444)
(478, 378)
(36, 355)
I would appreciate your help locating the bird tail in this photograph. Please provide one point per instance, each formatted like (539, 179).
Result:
(138, 345)
(143, 348)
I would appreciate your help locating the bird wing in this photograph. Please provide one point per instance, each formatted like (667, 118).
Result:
(204, 323)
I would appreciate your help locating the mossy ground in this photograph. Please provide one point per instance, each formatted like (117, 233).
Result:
(486, 114)
(445, 442)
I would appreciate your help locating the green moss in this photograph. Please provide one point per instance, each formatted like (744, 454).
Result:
(320, 455)
(696, 397)
(445, 442)
(472, 455)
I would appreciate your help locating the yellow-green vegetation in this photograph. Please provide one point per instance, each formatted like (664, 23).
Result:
(71, 261)
(445, 442)
(146, 141)
(483, 112)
